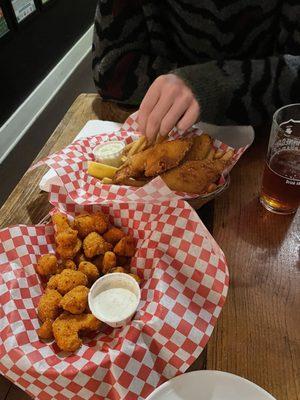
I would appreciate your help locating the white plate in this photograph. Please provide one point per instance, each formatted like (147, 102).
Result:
(209, 385)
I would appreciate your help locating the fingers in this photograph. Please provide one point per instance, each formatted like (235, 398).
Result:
(167, 101)
(172, 117)
(147, 105)
(190, 117)
(157, 114)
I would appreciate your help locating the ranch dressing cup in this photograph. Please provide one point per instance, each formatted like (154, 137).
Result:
(109, 153)
(114, 299)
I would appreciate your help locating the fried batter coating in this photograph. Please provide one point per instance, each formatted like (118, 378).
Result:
(48, 307)
(67, 280)
(94, 244)
(60, 222)
(117, 269)
(136, 277)
(166, 155)
(100, 222)
(47, 265)
(67, 264)
(109, 261)
(45, 331)
(69, 251)
(88, 223)
(75, 301)
(154, 160)
(90, 270)
(200, 149)
(135, 168)
(67, 238)
(113, 235)
(67, 327)
(125, 247)
(98, 261)
(194, 176)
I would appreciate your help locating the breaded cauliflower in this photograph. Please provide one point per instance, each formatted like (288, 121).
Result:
(67, 327)
(75, 301)
(109, 261)
(94, 244)
(90, 270)
(68, 252)
(49, 307)
(113, 235)
(60, 222)
(67, 280)
(45, 331)
(88, 223)
(47, 265)
(125, 247)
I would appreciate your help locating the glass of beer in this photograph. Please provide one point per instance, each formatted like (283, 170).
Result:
(280, 191)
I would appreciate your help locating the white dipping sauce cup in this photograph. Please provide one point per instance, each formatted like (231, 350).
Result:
(112, 281)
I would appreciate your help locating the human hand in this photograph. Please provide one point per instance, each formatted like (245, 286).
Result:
(168, 102)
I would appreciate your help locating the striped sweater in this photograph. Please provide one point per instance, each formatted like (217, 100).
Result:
(241, 58)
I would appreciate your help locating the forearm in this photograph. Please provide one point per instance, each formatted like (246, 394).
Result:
(123, 64)
(243, 92)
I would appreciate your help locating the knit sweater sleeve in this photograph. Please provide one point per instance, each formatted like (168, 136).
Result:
(123, 64)
(249, 91)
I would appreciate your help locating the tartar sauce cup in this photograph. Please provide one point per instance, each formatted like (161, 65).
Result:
(114, 299)
(109, 153)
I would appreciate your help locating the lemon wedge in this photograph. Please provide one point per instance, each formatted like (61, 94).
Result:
(100, 171)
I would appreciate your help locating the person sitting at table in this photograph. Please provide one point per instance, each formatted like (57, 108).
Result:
(228, 62)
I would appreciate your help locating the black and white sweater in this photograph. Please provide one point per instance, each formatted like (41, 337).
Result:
(241, 58)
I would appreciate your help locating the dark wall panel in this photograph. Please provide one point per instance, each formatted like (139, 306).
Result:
(33, 49)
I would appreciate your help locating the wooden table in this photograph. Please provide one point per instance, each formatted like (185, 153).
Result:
(257, 335)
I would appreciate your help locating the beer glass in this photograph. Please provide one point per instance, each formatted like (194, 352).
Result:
(280, 191)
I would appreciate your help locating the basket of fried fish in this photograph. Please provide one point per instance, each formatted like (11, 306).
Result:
(192, 165)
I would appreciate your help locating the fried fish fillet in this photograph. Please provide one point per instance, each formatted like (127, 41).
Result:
(194, 176)
(155, 160)
(200, 149)
(166, 155)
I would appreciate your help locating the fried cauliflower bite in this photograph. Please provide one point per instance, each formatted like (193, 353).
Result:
(84, 224)
(100, 222)
(69, 252)
(76, 300)
(67, 238)
(125, 247)
(88, 223)
(60, 222)
(45, 331)
(94, 244)
(67, 264)
(67, 280)
(48, 307)
(90, 270)
(113, 235)
(47, 265)
(98, 261)
(109, 261)
(67, 327)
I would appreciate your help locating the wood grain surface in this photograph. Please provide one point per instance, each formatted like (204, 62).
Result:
(257, 335)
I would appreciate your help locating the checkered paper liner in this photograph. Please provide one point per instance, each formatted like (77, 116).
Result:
(185, 282)
(71, 163)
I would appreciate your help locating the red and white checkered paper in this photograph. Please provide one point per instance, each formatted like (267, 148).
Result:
(71, 165)
(185, 282)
